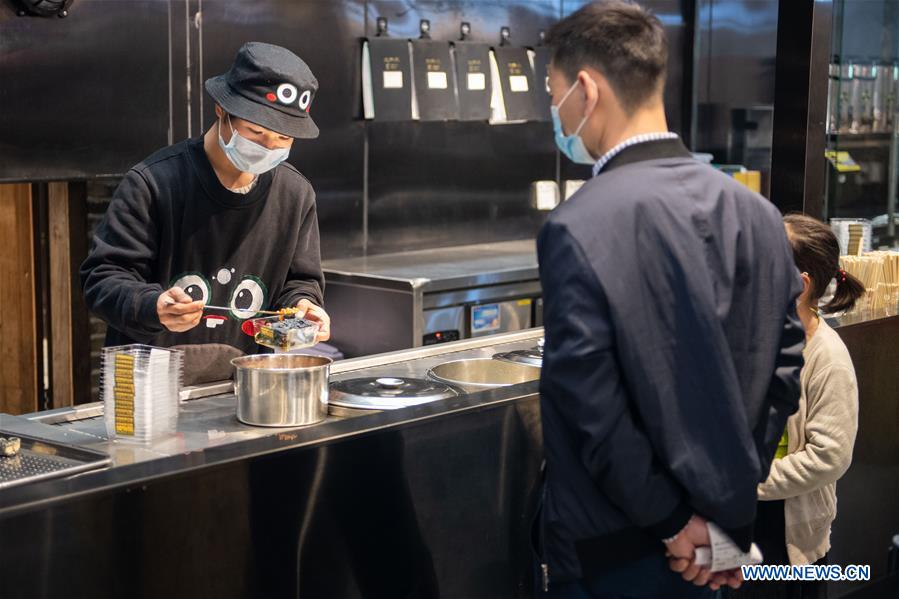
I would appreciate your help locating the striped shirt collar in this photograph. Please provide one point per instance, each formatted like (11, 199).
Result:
(630, 141)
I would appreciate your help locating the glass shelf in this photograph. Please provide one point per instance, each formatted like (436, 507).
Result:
(863, 116)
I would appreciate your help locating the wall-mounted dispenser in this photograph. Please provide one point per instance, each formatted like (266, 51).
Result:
(514, 97)
(540, 58)
(434, 92)
(473, 76)
(386, 77)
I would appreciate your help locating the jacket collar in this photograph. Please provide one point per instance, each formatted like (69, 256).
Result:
(648, 150)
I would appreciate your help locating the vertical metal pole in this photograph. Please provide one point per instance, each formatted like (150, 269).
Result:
(366, 152)
(171, 135)
(891, 194)
(198, 23)
(691, 51)
(43, 316)
(365, 156)
(188, 73)
(889, 20)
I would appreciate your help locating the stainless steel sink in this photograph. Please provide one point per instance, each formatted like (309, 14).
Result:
(39, 459)
(484, 372)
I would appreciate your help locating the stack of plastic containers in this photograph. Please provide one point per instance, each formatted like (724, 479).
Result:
(853, 234)
(140, 386)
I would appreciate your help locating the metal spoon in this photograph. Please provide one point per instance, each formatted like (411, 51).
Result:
(226, 309)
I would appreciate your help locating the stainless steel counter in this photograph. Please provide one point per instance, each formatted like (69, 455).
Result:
(377, 505)
(861, 317)
(330, 510)
(445, 268)
(396, 301)
(211, 422)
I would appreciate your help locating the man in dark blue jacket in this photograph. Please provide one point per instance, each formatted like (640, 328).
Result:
(673, 348)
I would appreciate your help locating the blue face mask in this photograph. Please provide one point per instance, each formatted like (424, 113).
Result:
(248, 156)
(571, 145)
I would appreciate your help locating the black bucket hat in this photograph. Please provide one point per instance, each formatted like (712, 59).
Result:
(270, 86)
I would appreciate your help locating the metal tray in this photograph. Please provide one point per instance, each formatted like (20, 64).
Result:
(41, 460)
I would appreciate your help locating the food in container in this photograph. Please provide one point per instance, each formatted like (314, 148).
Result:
(10, 446)
(285, 332)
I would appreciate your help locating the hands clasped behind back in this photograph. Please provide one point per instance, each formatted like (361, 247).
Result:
(682, 557)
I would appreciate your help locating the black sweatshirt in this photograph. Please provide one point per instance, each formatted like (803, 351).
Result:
(171, 222)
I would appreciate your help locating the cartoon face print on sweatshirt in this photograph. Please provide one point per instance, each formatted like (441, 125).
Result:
(243, 295)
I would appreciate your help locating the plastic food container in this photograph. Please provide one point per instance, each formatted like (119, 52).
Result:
(285, 333)
(140, 386)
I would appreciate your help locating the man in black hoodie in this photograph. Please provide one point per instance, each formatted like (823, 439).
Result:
(219, 220)
(673, 347)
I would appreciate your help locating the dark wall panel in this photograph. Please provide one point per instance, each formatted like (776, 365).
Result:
(525, 18)
(426, 193)
(97, 92)
(85, 95)
(327, 36)
(737, 46)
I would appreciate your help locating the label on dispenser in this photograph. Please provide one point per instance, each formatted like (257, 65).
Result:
(473, 73)
(437, 80)
(393, 79)
(518, 83)
(387, 89)
(485, 319)
(435, 83)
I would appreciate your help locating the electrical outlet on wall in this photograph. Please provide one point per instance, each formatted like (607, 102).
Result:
(544, 195)
(571, 186)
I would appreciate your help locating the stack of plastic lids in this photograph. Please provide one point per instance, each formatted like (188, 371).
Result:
(140, 386)
(854, 235)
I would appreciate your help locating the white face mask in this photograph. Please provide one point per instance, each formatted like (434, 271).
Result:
(248, 156)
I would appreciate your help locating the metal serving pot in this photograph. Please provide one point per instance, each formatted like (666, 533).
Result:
(281, 389)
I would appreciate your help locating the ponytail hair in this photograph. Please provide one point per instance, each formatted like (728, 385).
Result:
(816, 252)
(849, 290)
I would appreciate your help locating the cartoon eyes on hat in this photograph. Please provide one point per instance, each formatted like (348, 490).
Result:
(287, 93)
(305, 99)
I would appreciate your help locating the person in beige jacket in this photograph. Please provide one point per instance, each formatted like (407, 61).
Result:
(798, 501)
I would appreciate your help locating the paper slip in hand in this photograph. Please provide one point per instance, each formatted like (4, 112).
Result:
(724, 554)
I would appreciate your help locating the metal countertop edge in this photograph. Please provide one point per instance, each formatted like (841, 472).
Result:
(40, 495)
(430, 351)
(30, 497)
